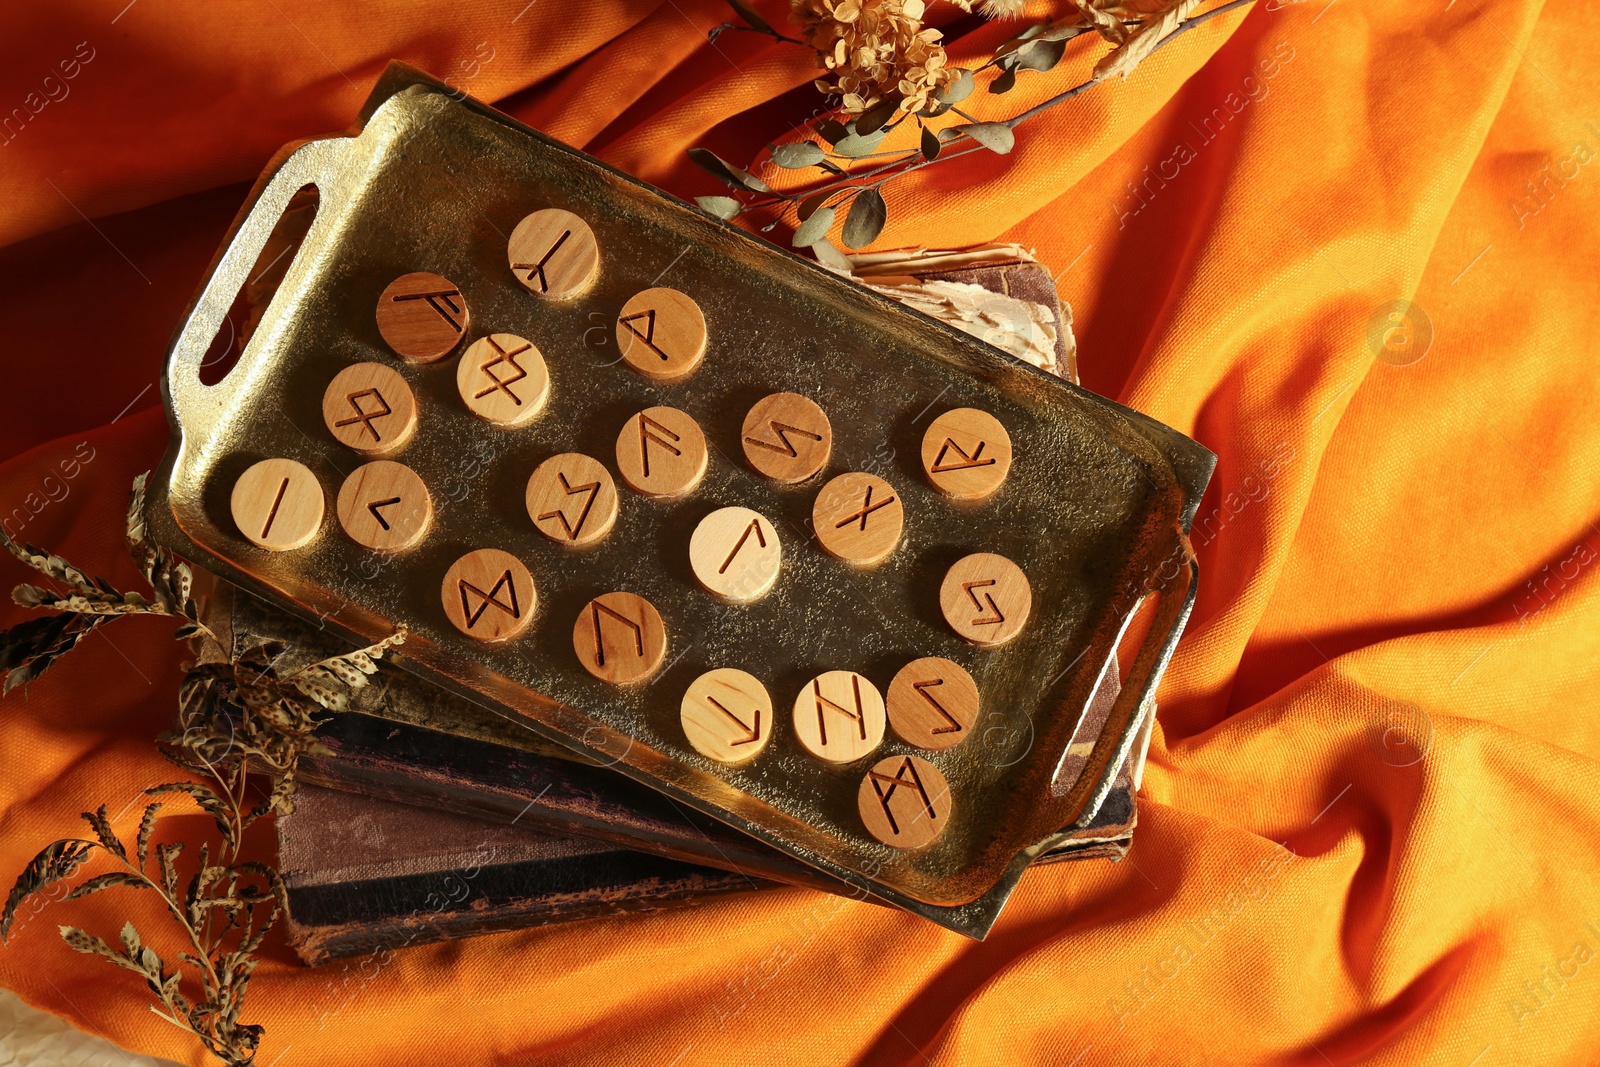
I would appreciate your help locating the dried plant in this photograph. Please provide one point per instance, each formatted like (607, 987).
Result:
(237, 721)
(886, 69)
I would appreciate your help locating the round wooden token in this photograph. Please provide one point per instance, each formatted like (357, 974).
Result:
(787, 437)
(554, 253)
(966, 453)
(619, 638)
(277, 504)
(572, 499)
(839, 717)
(727, 715)
(369, 408)
(904, 801)
(422, 316)
(858, 517)
(661, 452)
(986, 599)
(932, 703)
(661, 333)
(502, 379)
(735, 554)
(488, 594)
(385, 506)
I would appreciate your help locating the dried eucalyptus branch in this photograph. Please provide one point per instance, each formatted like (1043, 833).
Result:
(929, 90)
(237, 721)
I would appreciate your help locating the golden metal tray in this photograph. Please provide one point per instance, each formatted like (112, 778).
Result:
(1095, 509)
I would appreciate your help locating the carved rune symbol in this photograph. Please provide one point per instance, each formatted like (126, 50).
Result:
(922, 691)
(647, 435)
(867, 508)
(940, 466)
(536, 270)
(273, 514)
(574, 528)
(979, 620)
(595, 608)
(753, 731)
(649, 334)
(376, 504)
(443, 301)
(492, 597)
(502, 384)
(782, 430)
(761, 540)
(363, 416)
(859, 715)
(898, 780)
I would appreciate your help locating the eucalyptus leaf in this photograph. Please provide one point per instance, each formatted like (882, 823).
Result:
(730, 174)
(723, 207)
(798, 155)
(995, 136)
(930, 144)
(872, 120)
(857, 144)
(867, 215)
(1041, 55)
(814, 228)
(830, 130)
(1004, 83)
(755, 21)
(959, 88)
(809, 205)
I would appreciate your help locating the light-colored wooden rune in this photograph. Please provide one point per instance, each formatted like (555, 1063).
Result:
(727, 715)
(661, 333)
(422, 316)
(370, 409)
(572, 499)
(553, 253)
(786, 437)
(858, 517)
(966, 453)
(278, 504)
(986, 599)
(385, 506)
(619, 638)
(839, 717)
(661, 452)
(502, 379)
(932, 703)
(735, 554)
(904, 801)
(488, 594)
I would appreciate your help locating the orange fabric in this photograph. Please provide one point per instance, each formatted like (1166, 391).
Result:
(1376, 533)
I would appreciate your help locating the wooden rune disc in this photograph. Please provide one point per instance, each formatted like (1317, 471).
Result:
(661, 333)
(966, 453)
(619, 638)
(385, 506)
(858, 517)
(904, 801)
(278, 504)
(932, 703)
(502, 379)
(572, 499)
(553, 253)
(422, 316)
(986, 599)
(727, 715)
(488, 594)
(787, 437)
(661, 452)
(735, 554)
(839, 717)
(369, 408)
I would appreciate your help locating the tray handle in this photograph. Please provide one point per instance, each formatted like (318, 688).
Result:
(1082, 802)
(198, 407)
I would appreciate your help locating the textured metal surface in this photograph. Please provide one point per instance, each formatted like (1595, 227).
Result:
(1092, 511)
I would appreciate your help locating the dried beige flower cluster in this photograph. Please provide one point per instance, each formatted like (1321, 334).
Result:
(875, 50)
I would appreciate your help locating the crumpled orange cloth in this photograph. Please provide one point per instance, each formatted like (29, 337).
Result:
(1398, 553)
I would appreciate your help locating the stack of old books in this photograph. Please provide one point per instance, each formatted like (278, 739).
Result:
(432, 818)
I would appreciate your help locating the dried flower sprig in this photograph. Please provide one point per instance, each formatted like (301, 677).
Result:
(28, 650)
(236, 720)
(931, 89)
